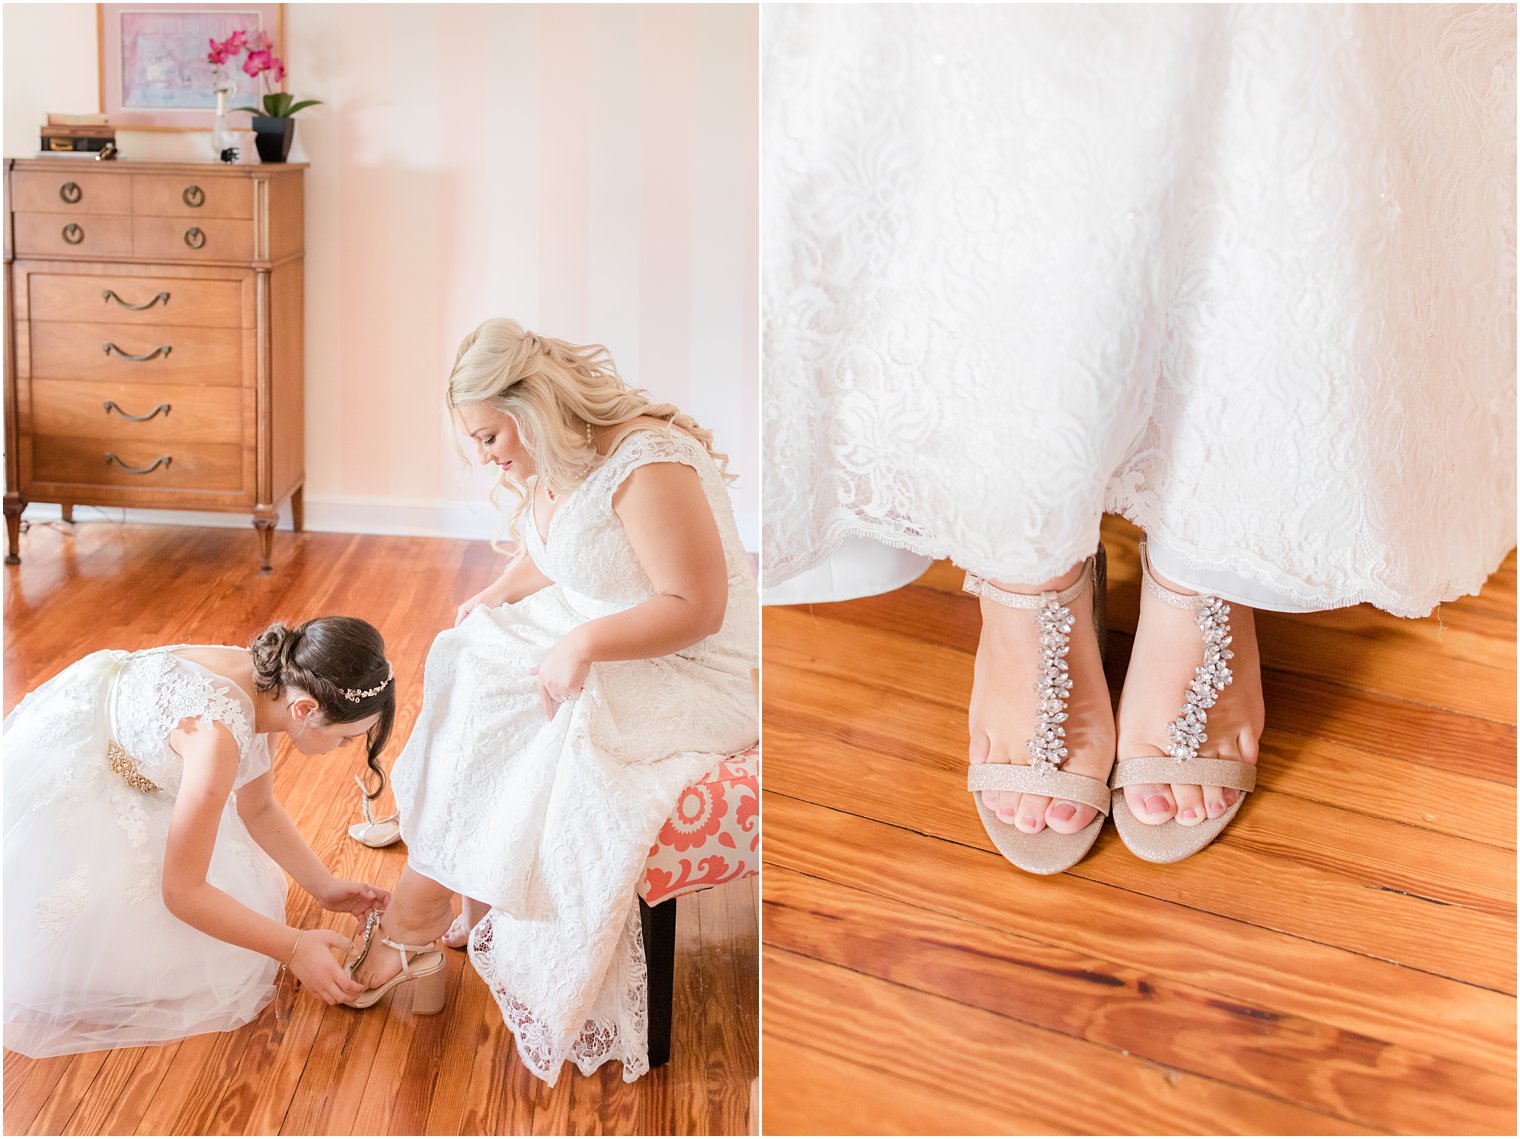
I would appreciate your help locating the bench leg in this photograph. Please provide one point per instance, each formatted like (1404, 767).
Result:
(659, 924)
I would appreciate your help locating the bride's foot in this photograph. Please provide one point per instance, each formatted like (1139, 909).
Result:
(470, 913)
(1005, 709)
(1168, 647)
(383, 962)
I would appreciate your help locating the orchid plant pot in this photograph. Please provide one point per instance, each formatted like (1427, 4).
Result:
(273, 135)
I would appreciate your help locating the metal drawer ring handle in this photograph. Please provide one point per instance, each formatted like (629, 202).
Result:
(73, 233)
(194, 197)
(161, 350)
(110, 295)
(111, 405)
(195, 238)
(161, 461)
(70, 192)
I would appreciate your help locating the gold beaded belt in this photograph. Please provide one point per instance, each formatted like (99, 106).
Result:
(125, 766)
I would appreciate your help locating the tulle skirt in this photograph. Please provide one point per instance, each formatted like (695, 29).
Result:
(93, 959)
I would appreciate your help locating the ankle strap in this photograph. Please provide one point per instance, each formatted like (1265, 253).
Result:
(981, 587)
(1161, 592)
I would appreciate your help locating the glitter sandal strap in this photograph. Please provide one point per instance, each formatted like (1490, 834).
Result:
(1058, 784)
(1200, 770)
(981, 587)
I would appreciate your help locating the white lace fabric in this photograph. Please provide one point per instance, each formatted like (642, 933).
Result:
(550, 822)
(1243, 274)
(93, 959)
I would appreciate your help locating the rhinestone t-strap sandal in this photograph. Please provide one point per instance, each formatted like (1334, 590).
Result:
(421, 963)
(372, 831)
(1047, 851)
(1171, 841)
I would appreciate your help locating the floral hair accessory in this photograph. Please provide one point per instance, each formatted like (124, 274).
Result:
(354, 695)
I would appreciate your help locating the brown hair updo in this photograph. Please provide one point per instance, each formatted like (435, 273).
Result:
(323, 657)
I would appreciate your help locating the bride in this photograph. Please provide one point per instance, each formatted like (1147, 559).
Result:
(605, 670)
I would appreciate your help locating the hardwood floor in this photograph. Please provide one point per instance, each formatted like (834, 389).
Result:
(321, 1070)
(1341, 961)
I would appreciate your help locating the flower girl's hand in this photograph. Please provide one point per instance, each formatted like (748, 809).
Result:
(345, 897)
(319, 970)
(561, 674)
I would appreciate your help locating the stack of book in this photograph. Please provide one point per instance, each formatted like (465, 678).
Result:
(77, 134)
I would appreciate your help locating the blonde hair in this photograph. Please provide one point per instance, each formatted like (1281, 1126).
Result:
(552, 390)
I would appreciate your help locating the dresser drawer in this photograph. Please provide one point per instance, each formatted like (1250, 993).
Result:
(83, 461)
(175, 354)
(79, 235)
(128, 301)
(137, 413)
(166, 195)
(201, 239)
(70, 192)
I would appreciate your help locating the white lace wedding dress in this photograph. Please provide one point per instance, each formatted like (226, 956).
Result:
(93, 959)
(550, 822)
(1243, 274)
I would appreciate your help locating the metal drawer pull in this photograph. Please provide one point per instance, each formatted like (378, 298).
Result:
(161, 461)
(161, 350)
(73, 234)
(111, 405)
(110, 295)
(194, 238)
(194, 197)
(70, 192)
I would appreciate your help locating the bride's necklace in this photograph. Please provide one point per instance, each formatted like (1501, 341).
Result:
(590, 442)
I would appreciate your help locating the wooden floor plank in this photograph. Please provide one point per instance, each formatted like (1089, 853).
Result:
(1348, 1075)
(321, 1070)
(976, 1052)
(1449, 1018)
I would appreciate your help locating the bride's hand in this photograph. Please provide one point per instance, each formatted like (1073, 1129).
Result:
(561, 674)
(485, 597)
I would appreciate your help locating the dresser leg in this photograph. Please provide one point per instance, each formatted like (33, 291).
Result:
(66, 511)
(298, 509)
(264, 524)
(14, 505)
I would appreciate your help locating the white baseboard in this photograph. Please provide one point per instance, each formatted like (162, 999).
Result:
(434, 519)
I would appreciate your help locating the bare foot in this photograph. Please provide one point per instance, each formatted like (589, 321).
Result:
(469, 917)
(1005, 708)
(1168, 647)
(382, 962)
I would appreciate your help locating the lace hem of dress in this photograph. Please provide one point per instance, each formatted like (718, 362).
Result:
(598, 1041)
(843, 525)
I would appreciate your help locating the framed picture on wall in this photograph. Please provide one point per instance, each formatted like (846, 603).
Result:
(154, 71)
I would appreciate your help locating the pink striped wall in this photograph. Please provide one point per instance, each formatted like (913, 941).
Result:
(588, 169)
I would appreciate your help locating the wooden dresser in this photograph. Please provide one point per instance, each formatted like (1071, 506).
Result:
(155, 338)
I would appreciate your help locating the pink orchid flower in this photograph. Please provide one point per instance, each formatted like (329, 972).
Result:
(258, 40)
(234, 43)
(217, 55)
(278, 69)
(257, 61)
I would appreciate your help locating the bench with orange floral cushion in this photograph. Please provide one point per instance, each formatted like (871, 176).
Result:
(713, 837)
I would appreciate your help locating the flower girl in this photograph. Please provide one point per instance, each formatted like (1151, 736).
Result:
(144, 896)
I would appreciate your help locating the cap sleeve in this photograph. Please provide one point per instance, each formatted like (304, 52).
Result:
(645, 447)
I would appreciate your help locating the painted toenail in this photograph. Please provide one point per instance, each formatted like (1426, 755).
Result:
(1158, 805)
(1189, 814)
(1029, 821)
(1216, 808)
(1062, 812)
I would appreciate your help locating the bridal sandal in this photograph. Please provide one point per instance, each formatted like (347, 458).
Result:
(372, 831)
(1171, 841)
(1047, 851)
(421, 963)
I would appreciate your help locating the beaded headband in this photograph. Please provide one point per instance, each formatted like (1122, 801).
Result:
(355, 695)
